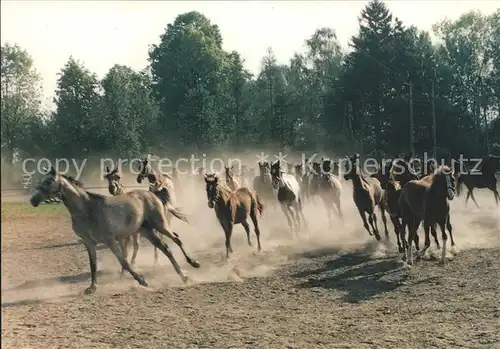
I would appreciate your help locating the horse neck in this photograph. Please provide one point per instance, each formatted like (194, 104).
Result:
(438, 187)
(74, 198)
(264, 176)
(223, 194)
(357, 178)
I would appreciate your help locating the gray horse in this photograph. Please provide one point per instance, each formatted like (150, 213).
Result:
(108, 219)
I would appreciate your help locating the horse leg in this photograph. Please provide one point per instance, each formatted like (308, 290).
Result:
(397, 231)
(473, 198)
(92, 252)
(365, 223)
(384, 220)
(496, 195)
(434, 235)
(175, 238)
(117, 251)
(286, 210)
(296, 216)
(372, 219)
(467, 198)
(427, 244)
(135, 242)
(124, 246)
(444, 236)
(339, 208)
(413, 227)
(301, 213)
(450, 228)
(247, 230)
(228, 231)
(157, 242)
(255, 221)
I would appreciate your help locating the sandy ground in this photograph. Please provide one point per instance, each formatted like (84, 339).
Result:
(336, 288)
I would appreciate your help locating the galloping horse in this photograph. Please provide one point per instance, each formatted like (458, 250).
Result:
(108, 219)
(485, 178)
(289, 196)
(233, 207)
(367, 193)
(427, 200)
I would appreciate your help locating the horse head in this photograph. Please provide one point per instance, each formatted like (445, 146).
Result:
(211, 181)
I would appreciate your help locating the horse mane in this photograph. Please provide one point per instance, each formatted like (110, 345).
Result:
(73, 181)
(79, 185)
(224, 191)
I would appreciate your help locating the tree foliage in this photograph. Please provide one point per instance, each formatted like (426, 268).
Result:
(195, 94)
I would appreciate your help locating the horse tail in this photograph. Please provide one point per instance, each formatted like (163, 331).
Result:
(258, 202)
(177, 213)
(460, 180)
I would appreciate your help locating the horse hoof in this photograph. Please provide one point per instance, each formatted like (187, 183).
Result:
(442, 262)
(185, 278)
(142, 282)
(194, 264)
(90, 290)
(377, 236)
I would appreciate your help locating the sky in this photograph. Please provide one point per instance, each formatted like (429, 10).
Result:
(104, 33)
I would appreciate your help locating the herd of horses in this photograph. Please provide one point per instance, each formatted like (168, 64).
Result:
(396, 188)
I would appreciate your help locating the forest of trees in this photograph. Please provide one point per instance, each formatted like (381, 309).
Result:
(194, 95)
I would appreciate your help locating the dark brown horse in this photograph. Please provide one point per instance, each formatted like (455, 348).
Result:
(402, 170)
(233, 207)
(427, 200)
(484, 178)
(367, 194)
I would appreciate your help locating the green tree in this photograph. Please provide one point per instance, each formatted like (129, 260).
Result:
(20, 100)
(129, 113)
(189, 66)
(77, 117)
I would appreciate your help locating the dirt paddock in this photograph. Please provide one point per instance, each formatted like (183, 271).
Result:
(336, 288)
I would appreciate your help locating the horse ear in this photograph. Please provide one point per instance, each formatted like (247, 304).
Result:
(107, 169)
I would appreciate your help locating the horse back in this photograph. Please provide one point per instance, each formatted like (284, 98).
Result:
(374, 188)
(414, 195)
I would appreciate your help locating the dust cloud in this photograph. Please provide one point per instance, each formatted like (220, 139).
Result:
(204, 239)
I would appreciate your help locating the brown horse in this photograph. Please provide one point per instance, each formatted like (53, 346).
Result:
(233, 207)
(392, 192)
(367, 193)
(484, 178)
(232, 182)
(262, 184)
(427, 200)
